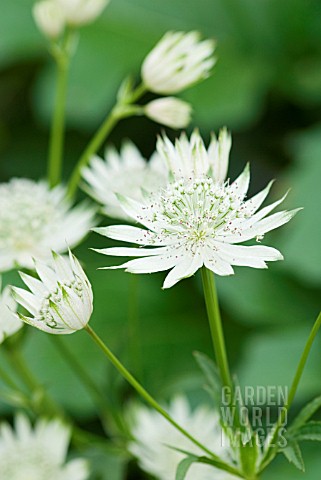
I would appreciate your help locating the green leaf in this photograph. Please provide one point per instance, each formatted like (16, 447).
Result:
(211, 373)
(184, 466)
(306, 413)
(309, 431)
(293, 454)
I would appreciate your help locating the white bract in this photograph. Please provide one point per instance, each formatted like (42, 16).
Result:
(80, 12)
(126, 173)
(189, 158)
(61, 301)
(49, 17)
(153, 436)
(197, 221)
(169, 111)
(178, 61)
(39, 453)
(35, 220)
(9, 323)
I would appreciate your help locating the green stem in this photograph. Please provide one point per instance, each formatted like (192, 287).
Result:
(47, 404)
(215, 322)
(81, 373)
(58, 121)
(150, 400)
(8, 380)
(118, 112)
(293, 389)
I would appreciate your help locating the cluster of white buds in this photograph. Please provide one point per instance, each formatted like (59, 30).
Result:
(52, 16)
(178, 61)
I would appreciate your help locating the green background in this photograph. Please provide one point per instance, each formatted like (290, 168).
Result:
(266, 88)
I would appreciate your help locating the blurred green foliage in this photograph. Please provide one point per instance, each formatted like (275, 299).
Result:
(266, 87)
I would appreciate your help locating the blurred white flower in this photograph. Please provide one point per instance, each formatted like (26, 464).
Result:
(61, 302)
(195, 222)
(39, 453)
(80, 12)
(49, 18)
(126, 173)
(9, 323)
(169, 111)
(152, 436)
(177, 61)
(35, 220)
(189, 158)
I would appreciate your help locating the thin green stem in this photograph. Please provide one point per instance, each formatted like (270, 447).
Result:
(293, 389)
(151, 401)
(215, 323)
(8, 380)
(47, 404)
(55, 158)
(118, 112)
(93, 389)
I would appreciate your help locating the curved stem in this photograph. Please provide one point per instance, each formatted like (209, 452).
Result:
(8, 380)
(58, 122)
(81, 373)
(32, 383)
(214, 318)
(293, 389)
(118, 112)
(151, 401)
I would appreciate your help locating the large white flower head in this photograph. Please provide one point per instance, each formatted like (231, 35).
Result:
(35, 220)
(9, 323)
(152, 436)
(197, 220)
(178, 61)
(126, 173)
(39, 453)
(61, 301)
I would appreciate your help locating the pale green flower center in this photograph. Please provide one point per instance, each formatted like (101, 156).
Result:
(26, 212)
(57, 299)
(196, 210)
(28, 464)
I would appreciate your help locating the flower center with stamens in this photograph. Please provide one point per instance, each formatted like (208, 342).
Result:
(55, 300)
(27, 210)
(197, 210)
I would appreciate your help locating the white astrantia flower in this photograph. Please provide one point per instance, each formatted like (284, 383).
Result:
(81, 12)
(153, 436)
(61, 300)
(126, 173)
(35, 220)
(9, 323)
(38, 453)
(197, 221)
(178, 61)
(49, 18)
(169, 111)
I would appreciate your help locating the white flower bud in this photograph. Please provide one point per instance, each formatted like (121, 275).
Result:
(80, 12)
(61, 302)
(177, 61)
(49, 18)
(169, 111)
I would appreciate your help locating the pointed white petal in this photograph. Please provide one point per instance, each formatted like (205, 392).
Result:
(130, 234)
(131, 252)
(184, 269)
(213, 262)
